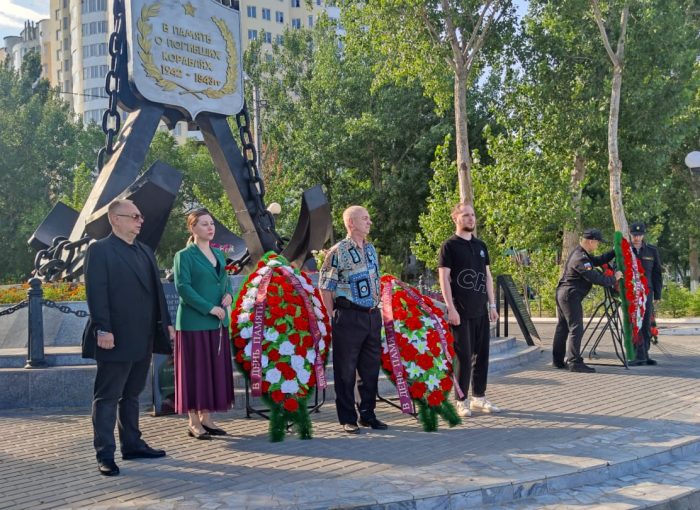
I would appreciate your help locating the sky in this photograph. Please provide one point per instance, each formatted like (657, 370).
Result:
(13, 14)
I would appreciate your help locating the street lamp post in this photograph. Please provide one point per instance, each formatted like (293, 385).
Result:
(692, 161)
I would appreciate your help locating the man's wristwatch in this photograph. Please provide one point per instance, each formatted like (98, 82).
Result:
(101, 332)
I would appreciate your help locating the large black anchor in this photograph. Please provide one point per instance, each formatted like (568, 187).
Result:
(62, 238)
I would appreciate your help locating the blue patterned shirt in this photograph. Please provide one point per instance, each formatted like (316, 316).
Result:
(352, 273)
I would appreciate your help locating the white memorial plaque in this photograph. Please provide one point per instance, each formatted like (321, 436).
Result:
(186, 54)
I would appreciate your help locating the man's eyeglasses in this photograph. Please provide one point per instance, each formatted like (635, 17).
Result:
(134, 216)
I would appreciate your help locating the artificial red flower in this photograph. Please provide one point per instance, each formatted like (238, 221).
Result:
(446, 384)
(436, 398)
(240, 342)
(301, 324)
(417, 389)
(273, 355)
(414, 323)
(277, 396)
(291, 405)
(281, 327)
(265, 386)
(300, 350)
(409, 352)
(425, 361)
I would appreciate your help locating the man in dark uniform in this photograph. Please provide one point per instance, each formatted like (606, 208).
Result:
(350, 289)
(651, 262)
(576, 282)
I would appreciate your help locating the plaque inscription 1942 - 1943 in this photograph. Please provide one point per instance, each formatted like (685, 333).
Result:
(186, 54)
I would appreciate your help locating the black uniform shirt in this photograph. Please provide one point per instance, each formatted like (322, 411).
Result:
(579, 274)
(467, 262)
(651, 262)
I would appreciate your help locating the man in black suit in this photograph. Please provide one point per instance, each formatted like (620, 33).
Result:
(129, 320)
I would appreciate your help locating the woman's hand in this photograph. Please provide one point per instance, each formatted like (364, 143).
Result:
(218, 312)
(226, 300)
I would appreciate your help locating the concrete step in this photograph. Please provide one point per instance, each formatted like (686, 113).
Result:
(672, 486)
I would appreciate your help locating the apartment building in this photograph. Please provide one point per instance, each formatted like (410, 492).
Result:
(74, 44)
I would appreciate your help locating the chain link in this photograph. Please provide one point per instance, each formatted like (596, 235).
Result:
(250, 155)
(111, 121)
(52, 261)
(15, 308)
(64, 308)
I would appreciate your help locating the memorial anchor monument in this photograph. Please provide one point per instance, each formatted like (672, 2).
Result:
(175, 60)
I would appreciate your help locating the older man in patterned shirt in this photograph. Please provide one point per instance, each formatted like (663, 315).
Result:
(350, 287)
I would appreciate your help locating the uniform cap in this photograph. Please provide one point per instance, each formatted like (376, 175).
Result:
(638, 229)
(593, 234)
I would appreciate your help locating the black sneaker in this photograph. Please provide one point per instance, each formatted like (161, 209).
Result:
(581, 368)
(558, 364)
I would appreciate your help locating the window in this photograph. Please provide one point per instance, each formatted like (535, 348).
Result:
(279, 16)
(58, 35)
(279, 39)
(93, 93)
(94, 50)
(296, 23)
(268, 57)
(267, 37)
(94, 27)
(311, 21)
(252, 34)
(252, 11)
(66, 44)
(318, 2)
(66, 65)
(93, 6)
(92, 116)
(296, 3)
(266, 14)
(65, 23)
(57, 14)
(92, 72)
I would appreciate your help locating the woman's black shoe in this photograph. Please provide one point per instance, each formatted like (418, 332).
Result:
(193, 433)
(214, 431)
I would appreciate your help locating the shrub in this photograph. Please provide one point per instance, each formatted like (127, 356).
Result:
(62, 291)
(676, 301)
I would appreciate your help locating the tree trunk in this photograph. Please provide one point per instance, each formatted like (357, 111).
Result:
(464, 159)
(614, 163)
(694, 262)
(571, 236)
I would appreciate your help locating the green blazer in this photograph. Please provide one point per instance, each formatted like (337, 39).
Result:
(200, 287)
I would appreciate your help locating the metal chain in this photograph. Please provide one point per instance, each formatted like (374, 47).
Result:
(64, 309)
(51, 262)
(15, 308)
(111, 121)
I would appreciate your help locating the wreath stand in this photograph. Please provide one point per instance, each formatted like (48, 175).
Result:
(264, 412)
(392, 402)
(607, 309)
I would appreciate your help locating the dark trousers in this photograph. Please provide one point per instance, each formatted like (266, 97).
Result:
(642, 350)
(472, 340)
(356, 349)
(116, 401)
(569, 332)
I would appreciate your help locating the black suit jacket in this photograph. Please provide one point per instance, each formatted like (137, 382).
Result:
(119, 302)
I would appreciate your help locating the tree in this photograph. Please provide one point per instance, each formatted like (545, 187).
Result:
(439, 42)
(41, 144)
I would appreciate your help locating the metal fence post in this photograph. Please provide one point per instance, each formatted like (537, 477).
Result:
(35, 334)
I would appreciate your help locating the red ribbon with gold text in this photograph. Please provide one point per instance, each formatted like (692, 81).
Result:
(392, 348)
(258, 333)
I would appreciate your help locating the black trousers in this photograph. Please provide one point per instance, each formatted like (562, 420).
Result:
(116, 400)
(569, 332)
(356, 350)
(472, 341)
(642, 350)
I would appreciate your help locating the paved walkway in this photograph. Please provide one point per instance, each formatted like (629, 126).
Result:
(558, 430)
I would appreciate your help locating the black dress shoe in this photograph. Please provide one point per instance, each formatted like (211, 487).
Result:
(581, 368)
(107, 467)
(558, 364)
(145, 452)
(351, 428)
(637, 363)
(197, 435)
(214, 431)
(651, 362)
(374, 423)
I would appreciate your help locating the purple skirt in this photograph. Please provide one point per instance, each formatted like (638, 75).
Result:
(203, 372)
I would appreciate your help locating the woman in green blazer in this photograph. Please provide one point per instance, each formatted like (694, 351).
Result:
(203, 370)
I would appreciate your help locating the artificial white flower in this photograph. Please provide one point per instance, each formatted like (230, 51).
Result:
(308, 288)
(252, 292)
(286, 348)
(271, 334)
(433, 382)
(316, 301)
(247, 304)
(311, 356)
(297, 362)
(264, 270)
(243, 318)
(248, 349)
(427, 321)
(273, 376)
(321, 344)
(264, 361)
(414, 371)
(421, 345)
(441, 363)
(247, 333)
(274, 262)
(322, 328)
(289, 386)
(318, 313)
(303, 375)
(256, 281)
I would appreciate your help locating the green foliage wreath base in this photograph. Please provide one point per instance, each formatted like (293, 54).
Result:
(280, 419)
(428, 415)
